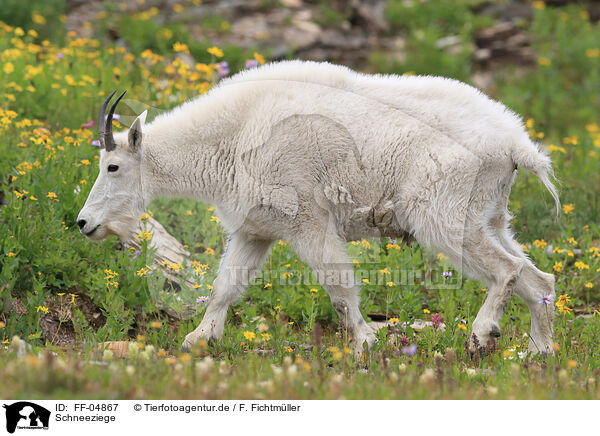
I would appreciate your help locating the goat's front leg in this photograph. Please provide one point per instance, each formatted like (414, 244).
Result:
(324, 252)
(241, 262)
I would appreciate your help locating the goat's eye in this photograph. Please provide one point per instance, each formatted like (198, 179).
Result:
(113, 168)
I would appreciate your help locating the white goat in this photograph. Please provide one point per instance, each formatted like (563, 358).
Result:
(317, 154)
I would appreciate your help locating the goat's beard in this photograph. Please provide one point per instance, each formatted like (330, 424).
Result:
(124, 228)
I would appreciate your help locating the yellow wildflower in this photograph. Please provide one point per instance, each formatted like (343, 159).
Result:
(564, 309)
(544, 62)
(259, 58)
(215, 51)
(38, 19)
(540, 243)
(558, 266)
(592, 52)
(249, 336)
(568, 208)
(181, 48)
(539, 4)
(562, 300)
(144, 236)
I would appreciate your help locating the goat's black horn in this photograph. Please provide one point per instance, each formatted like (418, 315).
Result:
(109, 140)
(101, 121)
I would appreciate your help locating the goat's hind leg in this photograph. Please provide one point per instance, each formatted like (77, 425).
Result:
(486, 258)
(243, 259)
(536, 288)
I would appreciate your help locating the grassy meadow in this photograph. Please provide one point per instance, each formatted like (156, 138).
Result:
(62, 295)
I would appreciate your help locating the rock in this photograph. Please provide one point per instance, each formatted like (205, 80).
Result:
(120, 349)
(503, 43)
(448, 41)
(302, 34)
(247, 30)
(483, 80)
(418, 324)
(338, 39)
(168, 249)
(487, 37)
(291, 3)
(373, 13)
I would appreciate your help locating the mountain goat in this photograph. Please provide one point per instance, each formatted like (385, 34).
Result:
(317, 154)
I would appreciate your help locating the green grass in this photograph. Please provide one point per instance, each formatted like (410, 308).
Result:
(63, 295)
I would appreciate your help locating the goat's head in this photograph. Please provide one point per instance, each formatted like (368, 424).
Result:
(116, 199)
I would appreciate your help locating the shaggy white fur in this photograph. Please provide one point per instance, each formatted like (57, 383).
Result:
(317, 154)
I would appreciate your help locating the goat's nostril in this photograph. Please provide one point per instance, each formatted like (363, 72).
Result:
(81, 223)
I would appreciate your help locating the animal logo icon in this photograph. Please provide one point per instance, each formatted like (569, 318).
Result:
(26, 415)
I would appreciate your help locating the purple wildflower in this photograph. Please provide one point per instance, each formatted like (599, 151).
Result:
(95, 143)
(411, 350)
(404, 341)
(201, 299)
(222, 68)
(90, 123)
(115, 117)
(547, 299)
(447, 274)
(136, 253)
(251, 63)
(59, 56)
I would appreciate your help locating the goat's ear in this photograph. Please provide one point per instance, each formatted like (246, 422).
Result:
(135, 132)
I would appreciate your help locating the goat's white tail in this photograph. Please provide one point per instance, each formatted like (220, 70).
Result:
(528, 155)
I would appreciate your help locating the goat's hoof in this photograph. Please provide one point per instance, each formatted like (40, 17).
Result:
(479, 347)
(185, 347)
(367, 344)
(495, 331)
(189, 342)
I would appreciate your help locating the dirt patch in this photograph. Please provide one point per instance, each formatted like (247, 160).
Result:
(57, 324)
